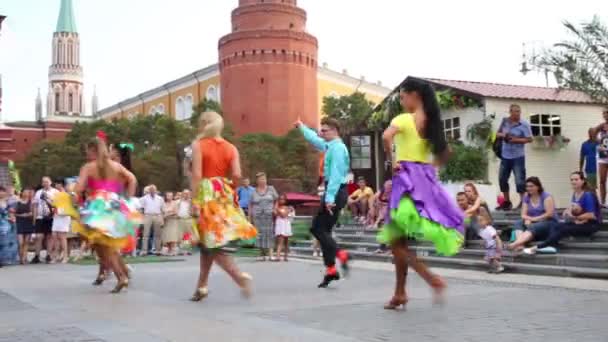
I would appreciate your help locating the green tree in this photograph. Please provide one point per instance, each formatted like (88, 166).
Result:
(55, 159)
(351, 111)
(580, 63)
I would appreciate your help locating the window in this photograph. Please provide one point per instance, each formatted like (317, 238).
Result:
(451, 128)
(56, 101)
(179, 109)
(545, 125)
(361, 152)
(334, 95)
(188, 103)
(212, 94)
(70, 103)
(160, 109)
(152, 110)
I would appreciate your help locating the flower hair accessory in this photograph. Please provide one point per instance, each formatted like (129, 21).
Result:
(101, 135)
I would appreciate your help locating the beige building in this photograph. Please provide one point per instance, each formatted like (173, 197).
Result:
(177, 97)
(551, 112)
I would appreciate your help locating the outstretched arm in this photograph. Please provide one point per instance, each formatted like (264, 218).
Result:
(311, 136)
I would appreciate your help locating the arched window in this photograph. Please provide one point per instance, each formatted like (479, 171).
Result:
(179, 109)
(188, 103)
(70, 103)
(152, 110)
(333, 94)
(212, 94)
(57, 96)
(160, 109)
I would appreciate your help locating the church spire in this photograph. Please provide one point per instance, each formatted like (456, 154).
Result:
(66, 21)
(94, 102)
(38, 107)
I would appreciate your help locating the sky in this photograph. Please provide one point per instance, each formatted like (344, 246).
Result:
(129, 46)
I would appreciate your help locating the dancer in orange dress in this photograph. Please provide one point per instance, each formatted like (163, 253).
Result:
(216, 167)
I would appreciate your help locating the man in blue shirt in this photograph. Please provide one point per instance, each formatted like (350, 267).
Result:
(335, 170)
(589, 159)
(516, 133)
(244, 193)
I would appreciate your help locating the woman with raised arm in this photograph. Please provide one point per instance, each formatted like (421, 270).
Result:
(216, 168)
(419, 207)
(108, 218)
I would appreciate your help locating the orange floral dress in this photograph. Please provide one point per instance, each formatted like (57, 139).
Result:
(221, 220)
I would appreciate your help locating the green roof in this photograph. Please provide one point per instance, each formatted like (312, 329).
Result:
(66, 21)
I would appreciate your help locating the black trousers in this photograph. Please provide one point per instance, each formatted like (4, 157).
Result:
(323, 224)
(562, 230)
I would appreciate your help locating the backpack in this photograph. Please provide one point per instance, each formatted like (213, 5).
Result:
(497, 144)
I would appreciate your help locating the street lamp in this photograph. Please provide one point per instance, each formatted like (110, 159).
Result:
(529, 63)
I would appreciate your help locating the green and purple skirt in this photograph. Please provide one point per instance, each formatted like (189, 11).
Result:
(420, 208)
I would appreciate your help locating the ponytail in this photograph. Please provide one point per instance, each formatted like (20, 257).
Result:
(103, 156)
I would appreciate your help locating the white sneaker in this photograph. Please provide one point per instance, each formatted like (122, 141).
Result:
(530, 251)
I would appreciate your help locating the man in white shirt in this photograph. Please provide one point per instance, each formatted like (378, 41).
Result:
(152, 205)
(43, 214)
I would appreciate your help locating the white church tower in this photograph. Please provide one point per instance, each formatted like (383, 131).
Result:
(65, 96)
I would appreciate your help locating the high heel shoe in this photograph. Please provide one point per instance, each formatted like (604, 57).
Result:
(200, 294)
(438, 285)
(246, 290)
(121, 285)
(99, 280)
(396, 304)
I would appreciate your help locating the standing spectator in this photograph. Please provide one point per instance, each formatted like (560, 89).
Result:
(7, 236)
(538, 215)
(284, 216)
(43, 212)
(492, 243)
(244, 193)
(583, 217)
(261, 209)
(601, 134)
(515, 133)
(359, 201)
(588, 159)
(152, 205)
(184, 217)
(170, 230)
(25, 223)
(60, 227)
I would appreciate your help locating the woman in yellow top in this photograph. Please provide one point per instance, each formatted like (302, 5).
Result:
(419, 207)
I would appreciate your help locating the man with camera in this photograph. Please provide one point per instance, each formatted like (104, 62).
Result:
(515, 134)
(43, 214)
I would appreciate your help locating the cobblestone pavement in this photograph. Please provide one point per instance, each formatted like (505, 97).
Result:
(56, 303)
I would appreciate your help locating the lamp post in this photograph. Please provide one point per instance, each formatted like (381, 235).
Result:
(529, 58)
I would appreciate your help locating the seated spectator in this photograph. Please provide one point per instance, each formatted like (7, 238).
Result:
(538, 215)
(582, 218)
(476, 206)
(359, 201)
(380, 203)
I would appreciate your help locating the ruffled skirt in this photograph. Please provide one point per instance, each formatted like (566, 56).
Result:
(221, 220)
(421, 209)
(109, 219)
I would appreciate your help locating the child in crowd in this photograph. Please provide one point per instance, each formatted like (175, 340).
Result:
(282, 227)
(492, 241)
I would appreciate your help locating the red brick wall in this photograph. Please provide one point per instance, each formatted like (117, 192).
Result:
(17, 142)
(268, 69)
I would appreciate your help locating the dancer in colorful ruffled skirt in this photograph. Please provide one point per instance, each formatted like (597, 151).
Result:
(215, 165)
(108, 219)
(419, 207)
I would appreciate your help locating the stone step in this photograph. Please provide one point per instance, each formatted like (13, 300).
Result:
(478, 253)
(600, 239)
(463, 263)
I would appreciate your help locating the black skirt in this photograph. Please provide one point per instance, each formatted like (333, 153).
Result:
(25, 225)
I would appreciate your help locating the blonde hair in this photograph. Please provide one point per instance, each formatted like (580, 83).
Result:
(103, 156)
(210, 125)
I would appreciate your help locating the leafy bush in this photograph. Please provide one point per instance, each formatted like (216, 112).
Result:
(467, 163)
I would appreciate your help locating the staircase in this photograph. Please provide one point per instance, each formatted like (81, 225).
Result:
(577, 257)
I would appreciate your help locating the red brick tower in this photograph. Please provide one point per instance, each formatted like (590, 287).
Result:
(268, 68)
